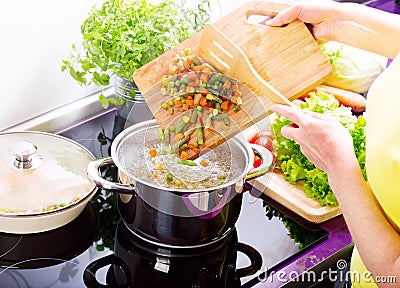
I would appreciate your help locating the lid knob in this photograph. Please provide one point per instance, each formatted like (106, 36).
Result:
(23, 152)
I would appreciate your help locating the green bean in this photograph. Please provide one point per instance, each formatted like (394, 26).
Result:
(183, 146)
(175, 147)
(180, 127)
(208, 121)
(187, 162)
(160, 134)
(199, 134)
(166, 137)
(222, 116)
(193, 117)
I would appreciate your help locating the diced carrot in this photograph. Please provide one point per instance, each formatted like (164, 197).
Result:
(204, 163)
(189, 102)
(227, 84)
(204, 78)
(178, 103)
(185, 106)
(153, 152)
(189, 97)
(155, 175)
(198, 68)
(203, 91)
(235, 87)
(190, 60)
(184, 155)
(225, 105)
(203, 102)
(195, 149)
(206, 70)
(186, 64)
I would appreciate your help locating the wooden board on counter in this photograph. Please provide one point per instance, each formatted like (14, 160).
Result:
(293, 197)
(288, 58)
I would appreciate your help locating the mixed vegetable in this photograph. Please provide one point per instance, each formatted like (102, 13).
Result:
(202, 97)
(193, 84)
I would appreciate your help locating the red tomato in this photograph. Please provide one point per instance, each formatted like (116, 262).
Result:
(265, 141)
(258, 135)
(257, 161)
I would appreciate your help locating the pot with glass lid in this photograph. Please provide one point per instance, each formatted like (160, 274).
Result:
(173, 205)
(43, 181)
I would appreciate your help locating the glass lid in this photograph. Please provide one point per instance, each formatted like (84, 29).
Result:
(41, 172)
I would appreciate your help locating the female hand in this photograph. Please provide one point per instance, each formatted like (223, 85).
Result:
(350, 23)
(323, 140)
(322, 15)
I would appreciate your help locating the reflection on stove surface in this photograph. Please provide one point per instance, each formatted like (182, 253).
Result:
(136, 263)
(51, 258)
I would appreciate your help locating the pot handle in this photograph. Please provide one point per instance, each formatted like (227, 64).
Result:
(89, 275)
(267, 161)
(93, 172)
(255, 260)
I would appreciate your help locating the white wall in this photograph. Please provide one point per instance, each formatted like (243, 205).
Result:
(36, 36)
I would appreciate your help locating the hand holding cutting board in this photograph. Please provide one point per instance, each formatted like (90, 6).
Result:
(287, 58)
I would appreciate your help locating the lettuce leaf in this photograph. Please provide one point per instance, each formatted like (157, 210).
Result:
(296, 167)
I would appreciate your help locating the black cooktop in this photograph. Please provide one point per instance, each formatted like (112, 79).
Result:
(97, 238)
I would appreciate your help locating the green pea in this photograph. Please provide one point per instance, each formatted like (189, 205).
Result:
(170, 177)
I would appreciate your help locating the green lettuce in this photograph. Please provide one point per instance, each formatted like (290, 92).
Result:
(296, 166)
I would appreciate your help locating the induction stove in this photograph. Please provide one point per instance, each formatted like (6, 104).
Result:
(59, 258)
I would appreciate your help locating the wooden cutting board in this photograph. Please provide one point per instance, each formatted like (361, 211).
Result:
(293, 197)
(287, 57)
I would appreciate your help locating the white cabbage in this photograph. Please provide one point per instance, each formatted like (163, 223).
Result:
(354, 69)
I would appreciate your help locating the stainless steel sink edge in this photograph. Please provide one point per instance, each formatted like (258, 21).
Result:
(65, 116)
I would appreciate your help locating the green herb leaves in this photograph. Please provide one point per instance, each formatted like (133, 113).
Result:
(123, 35)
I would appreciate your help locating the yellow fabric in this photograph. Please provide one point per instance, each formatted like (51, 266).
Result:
(383, 151)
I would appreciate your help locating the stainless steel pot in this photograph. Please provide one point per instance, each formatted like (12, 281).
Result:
(43, 181)
(176, 216)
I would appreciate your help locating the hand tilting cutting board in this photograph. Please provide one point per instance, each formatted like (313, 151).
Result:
(288, 58)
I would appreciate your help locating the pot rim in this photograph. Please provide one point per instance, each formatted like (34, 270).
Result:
(153, 123)
(82, 200)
